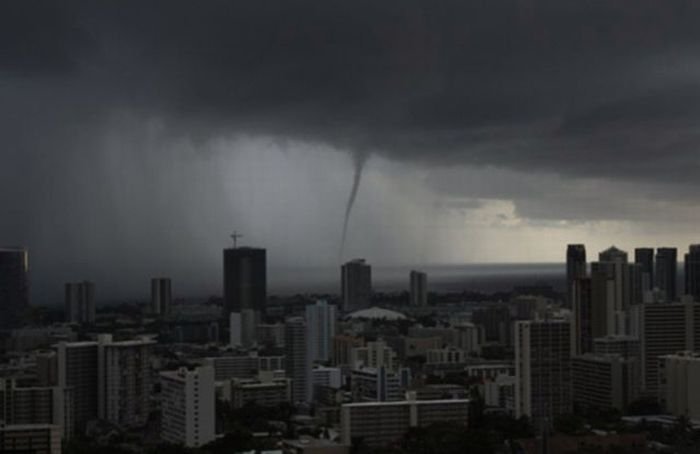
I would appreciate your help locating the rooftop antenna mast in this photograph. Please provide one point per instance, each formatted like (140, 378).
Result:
(235, 236)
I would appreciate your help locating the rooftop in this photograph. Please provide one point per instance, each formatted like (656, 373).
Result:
(376, 313)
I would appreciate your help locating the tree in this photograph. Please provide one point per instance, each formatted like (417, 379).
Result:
(569, 424)
(644, 406)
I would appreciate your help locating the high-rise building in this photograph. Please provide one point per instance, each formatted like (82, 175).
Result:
(356, 285)
(419, 289)
(250, 319)
(297, 362)
(614, 288)
(692, 272)
(161, 296)
(664, 329)
(575, 267)
(80, 302)
(320, 322)
(14, 287)
(331, 377)
(30, 438)
(679, 375)
(666, 271)
(77, 370)
(581, 321)
(21, 405)
(469, 337)
(234, 329)
(612, 254)
(245, 279)
(378, 424)
(343, 344)
(270, 335)
(497, 321)
(543, 370)
(124, 381)
(243, 328)
(188, 406)
(379, 384)
(108, 380)
(374, 354)
(604, 381)
(625, 346)
(644, 257)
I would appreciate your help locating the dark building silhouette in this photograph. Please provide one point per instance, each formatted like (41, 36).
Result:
(692, 272)
(419, 288)
(644, 257)
(161, 296)
(14, 287)
(356, 285)
(581, 308)
(575, 268)
(297, 361)
(666, 271)
(80, 302)
(497, 322)
(614, 288)
(245, 279)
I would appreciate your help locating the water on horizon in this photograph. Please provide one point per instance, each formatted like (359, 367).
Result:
(486, 278)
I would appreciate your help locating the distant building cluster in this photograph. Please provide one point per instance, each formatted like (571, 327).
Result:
(360, 368)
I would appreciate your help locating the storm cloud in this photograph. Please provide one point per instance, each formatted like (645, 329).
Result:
(599, 99)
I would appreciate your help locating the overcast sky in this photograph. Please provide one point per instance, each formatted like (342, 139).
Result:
(136, 135)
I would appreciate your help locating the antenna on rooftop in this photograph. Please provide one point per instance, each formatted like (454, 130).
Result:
(235, 236)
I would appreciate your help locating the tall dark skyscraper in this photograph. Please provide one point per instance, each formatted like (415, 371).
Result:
(161, 296)
(356, 285)
(80, 302)
(245, 279)
(14, 286)
(297, 360)
(575, 268)
(581, 307)
(666, 271)
(419, 288)
(644, 257)
(692, 271)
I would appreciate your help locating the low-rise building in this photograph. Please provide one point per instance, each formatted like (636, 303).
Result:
(489, 370)
(308, 445)
(499, 393)
(377, 424)
(447, 355)
(243, 366)
(267, 390)
(440, 392)
(374, 354)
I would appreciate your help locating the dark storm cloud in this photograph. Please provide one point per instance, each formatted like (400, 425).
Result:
(606, 89)
(551, 85)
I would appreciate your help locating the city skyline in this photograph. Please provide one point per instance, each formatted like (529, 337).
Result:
(479, 277)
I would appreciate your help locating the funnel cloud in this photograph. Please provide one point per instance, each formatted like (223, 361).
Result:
(359, 162)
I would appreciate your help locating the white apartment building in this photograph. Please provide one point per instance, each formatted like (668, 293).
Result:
(188, 406)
